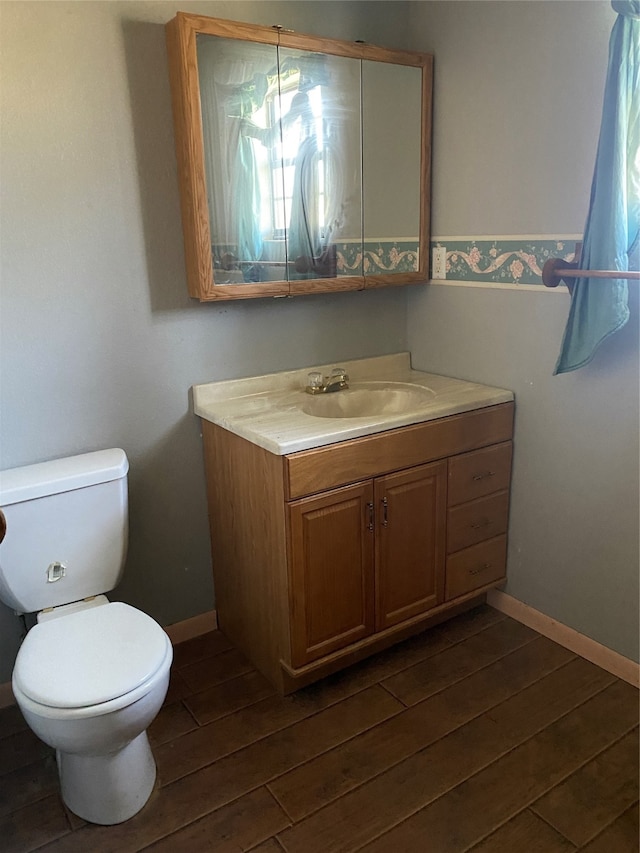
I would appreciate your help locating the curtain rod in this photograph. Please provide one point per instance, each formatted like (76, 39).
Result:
(557, 269)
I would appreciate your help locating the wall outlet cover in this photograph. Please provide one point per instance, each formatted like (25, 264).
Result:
(439, 262)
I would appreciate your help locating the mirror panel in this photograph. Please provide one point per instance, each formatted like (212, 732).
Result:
(239, 98)
(283, 161)
(321, 163)
(392, 147)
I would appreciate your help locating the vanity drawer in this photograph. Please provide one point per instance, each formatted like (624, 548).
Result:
(326, 467)
(475, 521)
(476, 566)
(482, 472)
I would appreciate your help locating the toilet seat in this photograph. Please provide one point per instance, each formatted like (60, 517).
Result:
(104, 656)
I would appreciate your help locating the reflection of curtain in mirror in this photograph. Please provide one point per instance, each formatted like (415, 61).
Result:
(303, 236)
(230, 90)
(244, 202)
(316, 203)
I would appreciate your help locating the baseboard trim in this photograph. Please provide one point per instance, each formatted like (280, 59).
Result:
(615, 663)
(193, 627)
(178, 633)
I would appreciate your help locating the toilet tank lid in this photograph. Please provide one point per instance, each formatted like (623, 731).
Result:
(61, 475)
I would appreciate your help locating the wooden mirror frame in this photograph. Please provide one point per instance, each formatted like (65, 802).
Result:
(181, 35)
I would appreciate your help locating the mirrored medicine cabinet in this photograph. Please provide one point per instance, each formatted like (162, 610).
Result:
(303, 162)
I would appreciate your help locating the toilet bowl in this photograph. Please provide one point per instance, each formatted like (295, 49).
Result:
(89, 683)
(91, 674)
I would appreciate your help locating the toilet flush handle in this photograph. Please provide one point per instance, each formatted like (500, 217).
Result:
(55, 571)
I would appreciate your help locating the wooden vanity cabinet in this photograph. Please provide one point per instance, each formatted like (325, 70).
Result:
(325, 556)
(365, 557)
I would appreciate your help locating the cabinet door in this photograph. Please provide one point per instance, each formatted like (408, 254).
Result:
(410, 560)
(331, 571)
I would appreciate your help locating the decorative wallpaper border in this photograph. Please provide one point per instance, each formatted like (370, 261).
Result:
(352, 257)
(380, 256)
(514, 261)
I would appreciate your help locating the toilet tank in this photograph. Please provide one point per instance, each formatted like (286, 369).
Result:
(66, 529)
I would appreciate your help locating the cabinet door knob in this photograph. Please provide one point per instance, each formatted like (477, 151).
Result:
(385, 512)
(477, 525)
(371, 516)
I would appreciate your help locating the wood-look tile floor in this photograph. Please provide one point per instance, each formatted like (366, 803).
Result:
(478, 735)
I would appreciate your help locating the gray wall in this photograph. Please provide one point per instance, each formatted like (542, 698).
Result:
(518, 97)
(100, 342)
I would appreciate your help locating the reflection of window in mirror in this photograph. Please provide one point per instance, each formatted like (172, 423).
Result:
(321, 164)
(290, 130)
(283, 161)
(233, 83)
(300, 173)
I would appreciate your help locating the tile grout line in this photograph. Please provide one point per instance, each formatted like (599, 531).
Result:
(355, 693)
(177, 829)
(428, 745)
(307, 717)
(576, 770)
(283, 729)
(188, 710)
(483, 768)
(227, 714)
(609, 825)
(541, 817)
(528, 805)
(467, 675)
(479, 770)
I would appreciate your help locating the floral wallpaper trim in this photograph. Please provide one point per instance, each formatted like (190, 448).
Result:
(381, 256)
(510, 260)
(352, 256)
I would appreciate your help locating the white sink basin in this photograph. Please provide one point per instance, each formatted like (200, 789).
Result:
(368, 399)
(273, 411)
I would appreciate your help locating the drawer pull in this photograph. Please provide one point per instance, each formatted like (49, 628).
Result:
(371, 516)
(481, 568)
(483, 475)
(385, 512)
(477, 525)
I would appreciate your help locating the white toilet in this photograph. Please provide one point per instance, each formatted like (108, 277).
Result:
(91, 675)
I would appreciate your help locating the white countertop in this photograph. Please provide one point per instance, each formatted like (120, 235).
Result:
(266, 410)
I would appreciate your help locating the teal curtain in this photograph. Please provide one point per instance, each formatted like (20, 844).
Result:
(245, 199)
(599, 307)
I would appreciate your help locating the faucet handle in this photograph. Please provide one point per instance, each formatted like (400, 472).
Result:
(315, 383)
(315, 379)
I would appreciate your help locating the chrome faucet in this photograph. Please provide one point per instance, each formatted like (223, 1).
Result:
(338, 380)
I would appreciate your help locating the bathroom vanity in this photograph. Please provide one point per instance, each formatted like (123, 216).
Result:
(342, 524)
